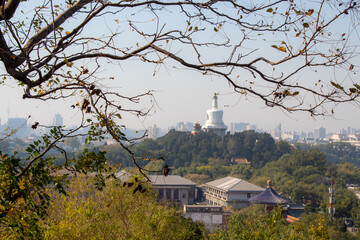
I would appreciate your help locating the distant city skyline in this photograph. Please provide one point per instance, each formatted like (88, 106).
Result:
(267, 122)
(187, 102)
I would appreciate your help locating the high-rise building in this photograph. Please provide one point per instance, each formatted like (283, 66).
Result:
(238, 127)
(214, 121)
(184, 126)
(278, 131)
(319, 133)
(154, 132)
(58, 120)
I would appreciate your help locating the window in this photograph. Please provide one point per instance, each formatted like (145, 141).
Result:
(249, 195)
(176, 194)
(191, 192)
(168, 194)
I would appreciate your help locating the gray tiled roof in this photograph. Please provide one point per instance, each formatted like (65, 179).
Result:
(269, 196)
(169, 180)
(234, 184)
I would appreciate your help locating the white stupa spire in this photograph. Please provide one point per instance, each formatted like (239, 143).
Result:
(214, 121)
(214, 102)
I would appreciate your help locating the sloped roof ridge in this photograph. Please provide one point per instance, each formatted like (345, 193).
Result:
(170, 180)
(269, 196)
(236, 184)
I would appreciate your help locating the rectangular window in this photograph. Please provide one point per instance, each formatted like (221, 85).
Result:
(176, 194)
(249, 195)
(168, 194)
(191, 192)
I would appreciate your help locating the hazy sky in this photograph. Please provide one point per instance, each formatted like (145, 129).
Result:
(181, 95)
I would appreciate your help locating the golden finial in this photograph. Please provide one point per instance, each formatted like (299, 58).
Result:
(269, 183)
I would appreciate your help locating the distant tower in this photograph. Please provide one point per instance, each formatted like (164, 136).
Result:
(319, 133)
(58, 120)
(197, 129)
(279, 131)
(214, 121)
(154, 132)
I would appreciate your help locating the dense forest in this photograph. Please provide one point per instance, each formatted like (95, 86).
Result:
(303, 173)
(181, 149)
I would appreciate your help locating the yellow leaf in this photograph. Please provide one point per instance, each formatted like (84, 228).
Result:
(13, 57)
(310, 12)
(283, 49)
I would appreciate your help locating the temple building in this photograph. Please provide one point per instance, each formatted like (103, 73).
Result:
(269, 197)
(197, 129)
(214, 121)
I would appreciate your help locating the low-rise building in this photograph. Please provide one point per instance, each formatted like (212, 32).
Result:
(174, 188)
(211, 216)
(230, 191)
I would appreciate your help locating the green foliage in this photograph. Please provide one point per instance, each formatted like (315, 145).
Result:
(252, 223)
(114, 213)
(304, 177)
(257, 224)
(198, 178)
(72, 142)
(25, 184)
(182, 150)
(337, 152)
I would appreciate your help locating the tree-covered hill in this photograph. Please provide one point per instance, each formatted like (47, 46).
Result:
(181, 149)
(305, 176)
(337, 152)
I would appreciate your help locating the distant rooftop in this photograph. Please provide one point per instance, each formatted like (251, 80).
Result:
(269, 196)
(157, 180)
(234, 184)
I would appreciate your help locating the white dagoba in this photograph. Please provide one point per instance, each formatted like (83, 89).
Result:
(214, 121)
